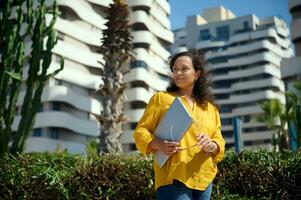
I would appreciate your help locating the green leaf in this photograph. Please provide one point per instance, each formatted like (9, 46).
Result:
(13, 75)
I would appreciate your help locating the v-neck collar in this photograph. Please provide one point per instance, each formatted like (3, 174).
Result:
(188, 106)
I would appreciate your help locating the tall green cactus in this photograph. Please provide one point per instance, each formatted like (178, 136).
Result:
(36, 79)
(12, 62)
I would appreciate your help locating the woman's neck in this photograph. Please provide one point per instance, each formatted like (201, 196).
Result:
(186, 93)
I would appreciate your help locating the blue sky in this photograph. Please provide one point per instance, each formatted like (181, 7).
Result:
(180, 9)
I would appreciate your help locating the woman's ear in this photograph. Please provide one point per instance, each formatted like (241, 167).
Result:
(197, 74)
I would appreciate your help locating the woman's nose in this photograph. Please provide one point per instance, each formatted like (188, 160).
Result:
(179, 72)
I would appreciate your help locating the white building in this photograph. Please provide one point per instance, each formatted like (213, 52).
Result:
(149, 73)
(244, 55)
(65, 119)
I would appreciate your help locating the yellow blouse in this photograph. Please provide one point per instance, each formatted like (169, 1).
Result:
(192, 167)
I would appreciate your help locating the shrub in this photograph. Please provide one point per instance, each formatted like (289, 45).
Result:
(247, 176)
(260, 175)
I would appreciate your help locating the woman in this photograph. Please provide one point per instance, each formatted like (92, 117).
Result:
(191, 168)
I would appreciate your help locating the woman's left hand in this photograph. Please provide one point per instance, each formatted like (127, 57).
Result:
(206, 144)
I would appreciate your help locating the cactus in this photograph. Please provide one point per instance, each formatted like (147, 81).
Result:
(35, 81)
(12, 62)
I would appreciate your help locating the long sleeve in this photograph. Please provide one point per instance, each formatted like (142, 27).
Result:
(218, 138)
(143, 134)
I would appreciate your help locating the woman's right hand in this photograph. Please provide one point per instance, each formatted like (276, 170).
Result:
(165, 146)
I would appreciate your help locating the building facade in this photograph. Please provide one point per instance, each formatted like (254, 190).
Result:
(149, 73)
(243, 55)
(291, 68)
(66, 116)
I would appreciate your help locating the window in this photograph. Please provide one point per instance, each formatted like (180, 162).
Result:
(37, 132)
(226, 121)
(56, 106)
(40, 108)
(55, 133)
(246, 25)
(225, 109)
(222, 32)
(247, 118)
(204, 35)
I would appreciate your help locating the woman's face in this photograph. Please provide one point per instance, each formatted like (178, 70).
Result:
(184, 74)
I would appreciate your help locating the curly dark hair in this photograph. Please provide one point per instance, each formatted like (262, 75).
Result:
(201, 92)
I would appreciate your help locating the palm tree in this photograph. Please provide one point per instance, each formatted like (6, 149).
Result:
(116, 49)
(274, 116)
(294, 110)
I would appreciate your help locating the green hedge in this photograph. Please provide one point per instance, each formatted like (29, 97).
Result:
(250, 175)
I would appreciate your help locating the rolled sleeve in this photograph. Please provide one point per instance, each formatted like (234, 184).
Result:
(143, 134)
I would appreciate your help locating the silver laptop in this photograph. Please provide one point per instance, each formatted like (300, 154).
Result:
(173, 126)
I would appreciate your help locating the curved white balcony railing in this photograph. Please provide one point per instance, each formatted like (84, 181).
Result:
(164, 5)
(140, 74)
(238, 74)
(267, 82)
(295, 29)
(156, 64)
(247, 85)
(254, 124)
(209, 44)
(222, 90)
(142, 37)
(75, 31)
(85, 12)
(252, 97)
(63, 120)
(262, 135)
(104, 3)
(270, 32)
(147, 37)
(77, 54)
(266, 56)
(71, 75)
(81, 79)
(136, 3)
(157, 30)
(64, 94)
(178, 50)
(284, 32)
(42, 144)
(138, 94)
(247, 110)
(134, 115)
(264, 44)
(227, 128)
(160, 16)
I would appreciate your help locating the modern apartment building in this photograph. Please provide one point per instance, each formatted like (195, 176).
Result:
(149, 73)
(244, 55)
(65, 119)
(291, 68)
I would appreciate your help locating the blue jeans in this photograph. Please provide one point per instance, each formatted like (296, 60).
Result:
(179, 191)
